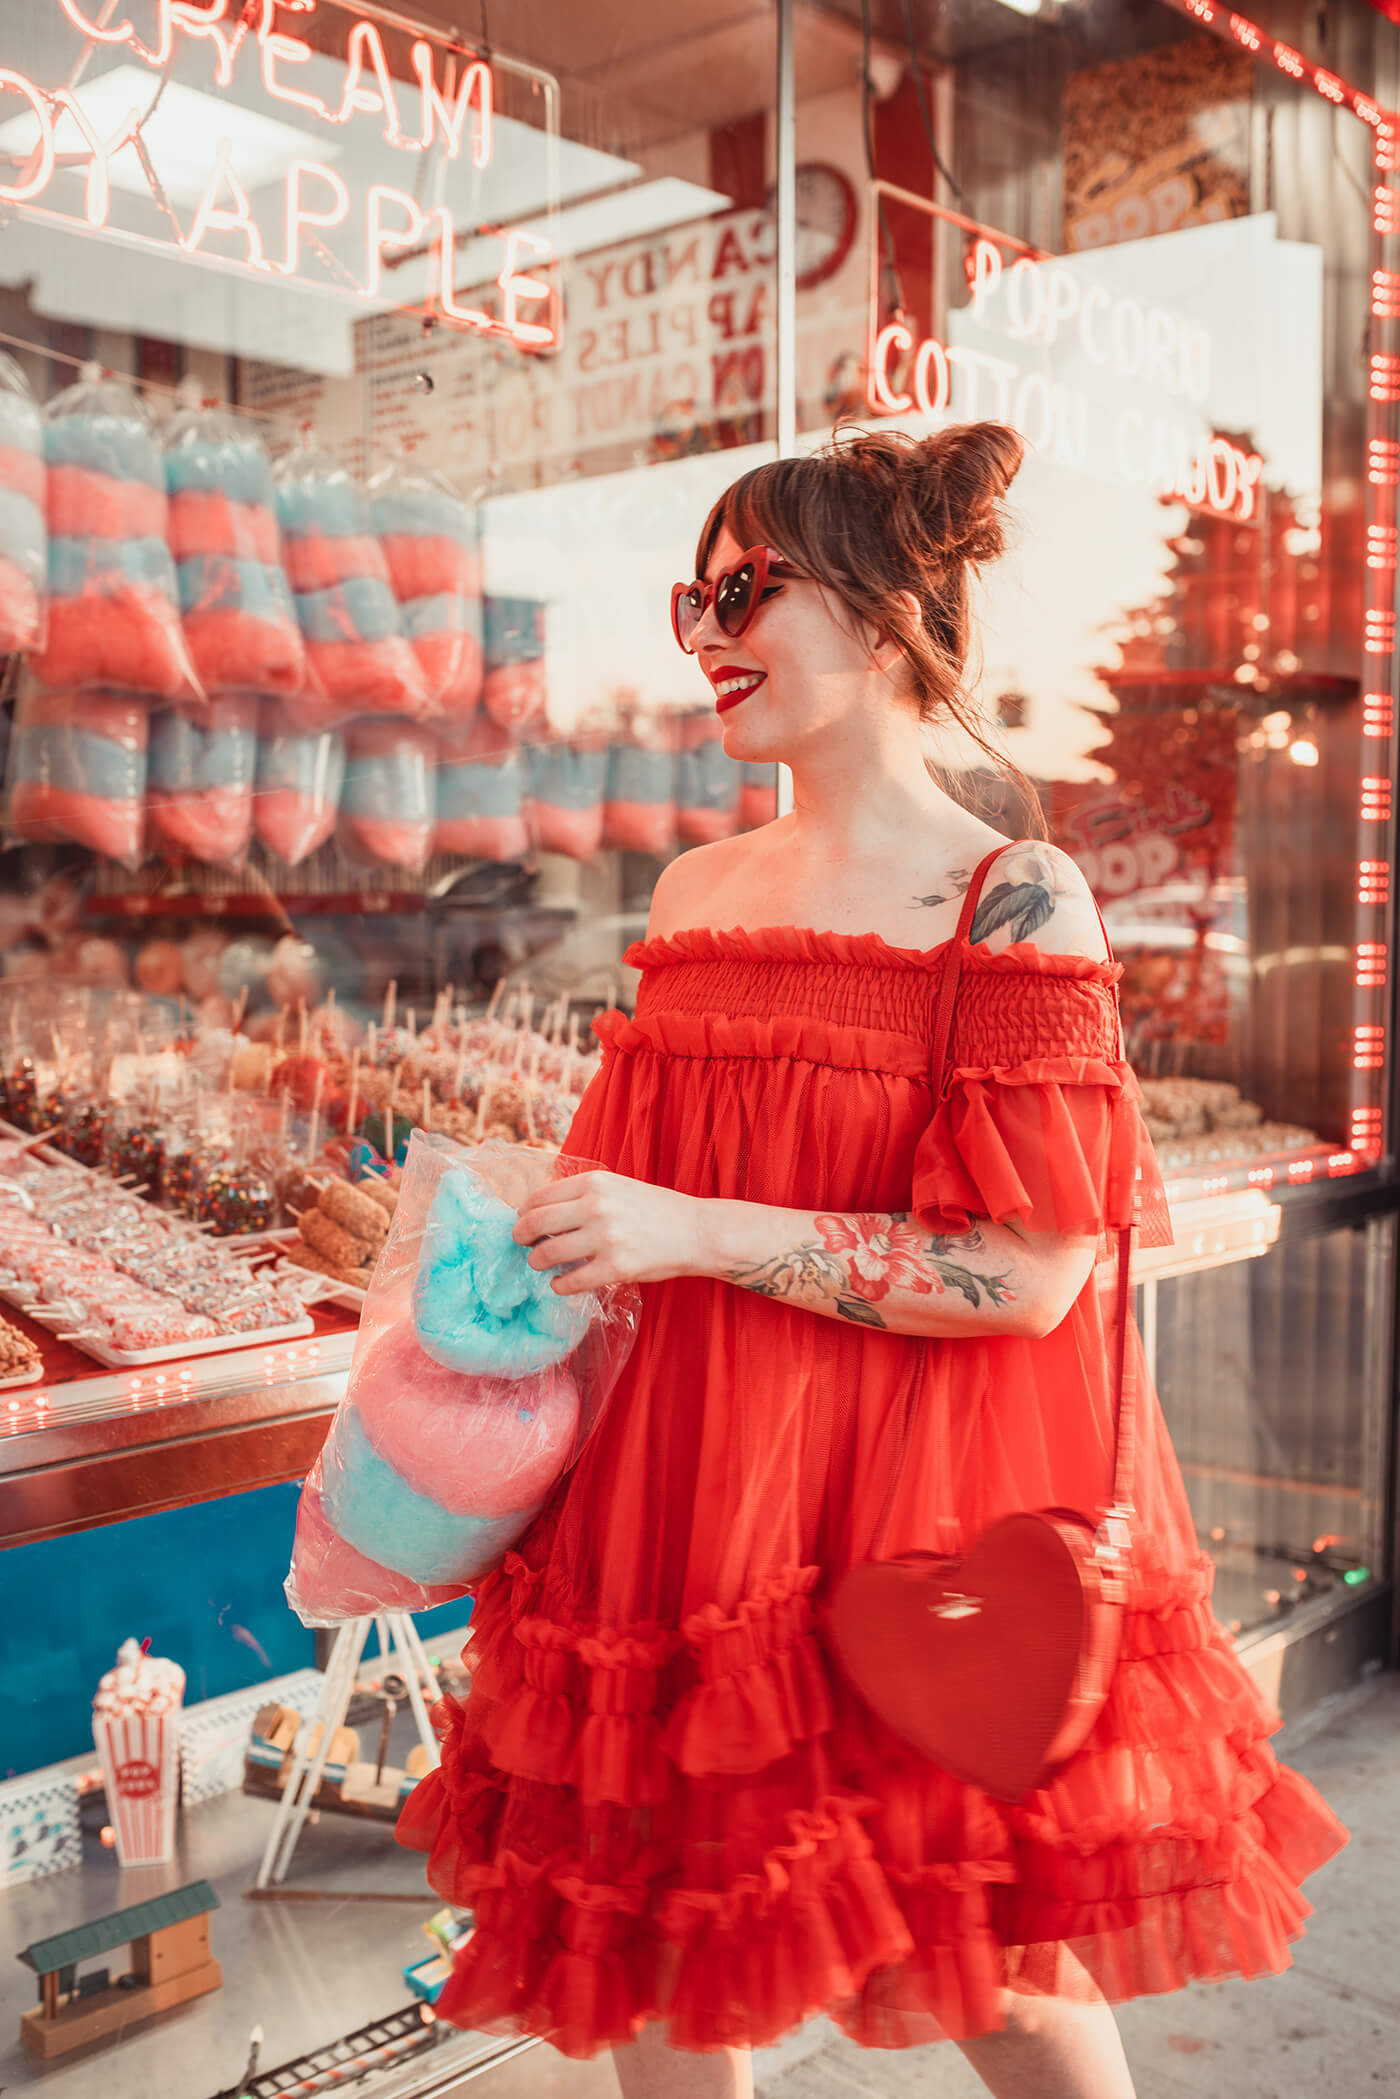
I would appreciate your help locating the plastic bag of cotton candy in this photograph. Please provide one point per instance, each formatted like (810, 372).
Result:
(475, 1385)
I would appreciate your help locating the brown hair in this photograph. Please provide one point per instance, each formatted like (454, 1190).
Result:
(875, 514)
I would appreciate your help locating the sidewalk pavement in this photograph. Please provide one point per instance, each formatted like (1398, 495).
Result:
(1328, 2029)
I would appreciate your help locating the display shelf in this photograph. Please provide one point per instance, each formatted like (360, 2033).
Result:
(96, 1448)
(311, 1974)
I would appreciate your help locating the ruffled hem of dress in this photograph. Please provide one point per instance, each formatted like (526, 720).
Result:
(1170, 1849)
(860, 950)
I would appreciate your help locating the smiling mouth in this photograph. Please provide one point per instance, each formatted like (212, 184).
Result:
(737, 686)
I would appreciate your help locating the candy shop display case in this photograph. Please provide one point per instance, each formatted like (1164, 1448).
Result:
(346, 739)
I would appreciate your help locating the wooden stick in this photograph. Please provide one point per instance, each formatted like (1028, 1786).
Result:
(488, 1088)
(493, 1002)
(240, 1008)
(391, 1000)
(315, 1119)
(354, 1100)
(427, 1105)
(302, 1021)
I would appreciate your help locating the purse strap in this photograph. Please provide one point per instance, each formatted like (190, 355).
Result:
(1120, 1508)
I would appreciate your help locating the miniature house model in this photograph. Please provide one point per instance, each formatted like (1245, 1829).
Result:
(170, 1963)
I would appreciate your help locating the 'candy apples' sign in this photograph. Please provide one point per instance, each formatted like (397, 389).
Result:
(292, 139)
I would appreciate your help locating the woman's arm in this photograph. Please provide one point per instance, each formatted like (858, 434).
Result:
(883, 1271)
(889, 1271)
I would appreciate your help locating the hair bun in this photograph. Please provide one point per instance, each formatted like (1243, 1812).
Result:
(965, 472)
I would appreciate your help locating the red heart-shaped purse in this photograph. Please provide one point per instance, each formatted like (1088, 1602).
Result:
(996, 1665)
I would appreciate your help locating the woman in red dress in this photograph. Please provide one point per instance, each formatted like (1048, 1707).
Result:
(871, 1324)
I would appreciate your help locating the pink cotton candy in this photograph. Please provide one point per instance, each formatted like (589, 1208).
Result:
(515, 693)
(367, 677)
(39, 811)
(334, 1580)
(430, 565)
(206, 521)
(475, 1446)
(640, 827)
(451, 667)
(316, 560)
(397, 843)
(236, 651)
(577, 832)
(83, 504)
(483, 837)
(291, 824)
(128, 637)
(24, 473)
(214, 825)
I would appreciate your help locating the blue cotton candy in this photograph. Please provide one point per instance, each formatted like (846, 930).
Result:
(394, 783)
(188, 759)
(109, 565)
(119, 445)
(76, 761)
(316, 503)
(479, 790)
(227, 583)
(375, 1510)
(238, 468)
(445, 612)
(313, 765)
(566, 778)
(636, 774)
(478, 1305)
(362, 608)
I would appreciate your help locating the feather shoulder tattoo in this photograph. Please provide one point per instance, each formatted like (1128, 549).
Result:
(1029, 882)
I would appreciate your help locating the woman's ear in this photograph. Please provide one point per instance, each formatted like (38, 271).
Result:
(889, 644)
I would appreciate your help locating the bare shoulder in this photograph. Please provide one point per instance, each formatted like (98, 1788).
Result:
(690, 889)
(1036, 893)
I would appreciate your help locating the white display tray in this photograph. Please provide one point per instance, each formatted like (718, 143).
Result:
(61, 1321)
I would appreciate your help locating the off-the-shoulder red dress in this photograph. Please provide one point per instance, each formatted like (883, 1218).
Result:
(660, 1799)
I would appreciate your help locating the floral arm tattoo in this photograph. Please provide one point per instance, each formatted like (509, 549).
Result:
(855, 1262)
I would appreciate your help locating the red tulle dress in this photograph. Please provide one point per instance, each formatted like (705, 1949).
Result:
(660, 1798)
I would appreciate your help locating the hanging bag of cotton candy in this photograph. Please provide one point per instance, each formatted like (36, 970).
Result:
(24, 547)
(77, 770)
(298, 785)
(474, 1387)
(358, 659)
(432, 548)
(199, 787)
(113, 613)
(235, 600)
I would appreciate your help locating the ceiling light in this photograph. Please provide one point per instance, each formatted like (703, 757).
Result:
(180, 135)
(1022, 7)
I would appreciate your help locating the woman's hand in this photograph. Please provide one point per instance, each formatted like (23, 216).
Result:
(623, 1231)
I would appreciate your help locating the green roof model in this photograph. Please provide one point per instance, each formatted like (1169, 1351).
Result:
(85, 1941)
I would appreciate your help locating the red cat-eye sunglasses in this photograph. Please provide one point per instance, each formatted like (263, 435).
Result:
(736, 594)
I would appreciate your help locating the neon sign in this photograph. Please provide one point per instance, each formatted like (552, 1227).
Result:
(447, 105)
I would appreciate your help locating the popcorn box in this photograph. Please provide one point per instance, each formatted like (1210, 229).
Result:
(136, 1731)
(140, 1758)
